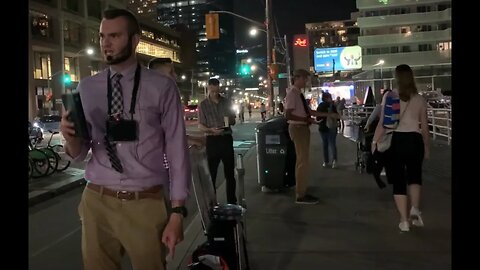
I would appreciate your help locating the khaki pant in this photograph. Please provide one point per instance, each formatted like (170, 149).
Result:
(300, 135)
(111, 226)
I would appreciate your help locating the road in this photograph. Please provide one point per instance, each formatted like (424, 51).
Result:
(54, 226)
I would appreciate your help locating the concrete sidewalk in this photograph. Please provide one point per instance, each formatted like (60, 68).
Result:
(355, 226)
(42, 189)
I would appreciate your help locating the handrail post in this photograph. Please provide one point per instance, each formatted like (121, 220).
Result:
(433, 125)
(240, 180)
(449, 126)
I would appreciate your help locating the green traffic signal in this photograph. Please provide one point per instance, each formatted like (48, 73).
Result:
(67, 79)
(245, 70)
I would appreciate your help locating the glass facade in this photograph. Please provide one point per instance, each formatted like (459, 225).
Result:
(71, 32)
(42, 68)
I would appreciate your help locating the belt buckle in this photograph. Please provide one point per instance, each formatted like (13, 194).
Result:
(122, 192)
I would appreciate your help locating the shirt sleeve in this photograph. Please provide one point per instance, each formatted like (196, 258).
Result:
(202, 119)
(175, 143)
(375, 114)
(86, 144)
(290, 100)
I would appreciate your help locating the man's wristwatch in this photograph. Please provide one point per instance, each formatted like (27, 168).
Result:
(180, 210)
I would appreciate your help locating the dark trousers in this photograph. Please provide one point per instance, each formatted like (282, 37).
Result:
(220, 148)
(329, 139)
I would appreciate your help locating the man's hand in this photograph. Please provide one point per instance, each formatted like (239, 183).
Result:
(173, 233)
(67, 128)
(215, 131)
(73, 145)
(311, 120)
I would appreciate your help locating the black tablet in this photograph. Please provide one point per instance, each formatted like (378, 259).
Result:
(73, 104)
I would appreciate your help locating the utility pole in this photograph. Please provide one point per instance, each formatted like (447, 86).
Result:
(288, 61)
(191, 83)
(269, 53)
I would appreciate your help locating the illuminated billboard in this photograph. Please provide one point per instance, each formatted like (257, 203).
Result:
(344, 58)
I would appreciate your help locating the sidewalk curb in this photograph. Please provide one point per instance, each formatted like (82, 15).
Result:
(38, 196)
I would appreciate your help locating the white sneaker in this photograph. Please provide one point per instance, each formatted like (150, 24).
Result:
(416, 217)
(334, 164)
(404, 226)
(325, 164)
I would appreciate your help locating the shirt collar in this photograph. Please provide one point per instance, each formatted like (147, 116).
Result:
(127, 73)
(220, 99)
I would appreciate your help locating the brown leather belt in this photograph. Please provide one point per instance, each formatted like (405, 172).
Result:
(124, 195)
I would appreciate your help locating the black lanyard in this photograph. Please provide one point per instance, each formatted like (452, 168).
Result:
(134, 92)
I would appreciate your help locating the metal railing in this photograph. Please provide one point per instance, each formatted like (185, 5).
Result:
(356, 114)
(439, 120)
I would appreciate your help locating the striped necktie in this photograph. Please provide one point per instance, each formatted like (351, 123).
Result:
(117, 109)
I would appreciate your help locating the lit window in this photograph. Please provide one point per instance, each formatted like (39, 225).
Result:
(42, 69)
(41, 24)
(156, 50)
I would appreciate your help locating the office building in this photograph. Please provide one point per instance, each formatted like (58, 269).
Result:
(417, 33)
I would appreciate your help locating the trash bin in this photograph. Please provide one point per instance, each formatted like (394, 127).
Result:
(275, 155)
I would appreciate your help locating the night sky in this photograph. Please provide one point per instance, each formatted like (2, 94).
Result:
(291, 16)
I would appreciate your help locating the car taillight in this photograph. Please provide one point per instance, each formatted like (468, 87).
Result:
(186, 110)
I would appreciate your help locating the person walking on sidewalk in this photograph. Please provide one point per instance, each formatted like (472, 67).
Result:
(328, 129)
(263, 111)
(409, 144)
(133, 116)
(298, 115)
(215, 119)
(378, 158)
(241, 112)
(249, 107)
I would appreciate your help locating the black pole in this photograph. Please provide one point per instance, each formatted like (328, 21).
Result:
(333, 71)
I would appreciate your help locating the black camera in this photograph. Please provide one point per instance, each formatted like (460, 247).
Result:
(122, 130)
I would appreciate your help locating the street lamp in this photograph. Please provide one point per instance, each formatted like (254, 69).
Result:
(253, 68)
(380, 63)
(260, 78)
(254, 31)
(184, 77)
(249, 60)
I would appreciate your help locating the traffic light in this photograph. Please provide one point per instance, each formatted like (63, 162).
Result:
(212, 26)
(274, 70)
(67, 79)
(244, 70)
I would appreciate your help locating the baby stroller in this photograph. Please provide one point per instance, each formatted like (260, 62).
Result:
(225, 248)
(364, 160)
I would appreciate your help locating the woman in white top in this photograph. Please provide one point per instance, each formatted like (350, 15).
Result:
(409, 146)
